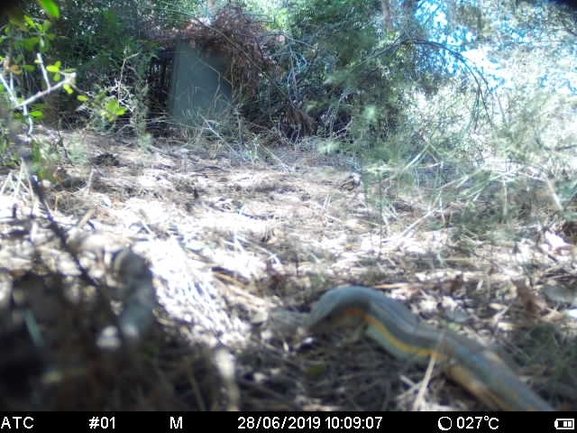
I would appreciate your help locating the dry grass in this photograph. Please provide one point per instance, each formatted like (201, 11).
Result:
(238, 252)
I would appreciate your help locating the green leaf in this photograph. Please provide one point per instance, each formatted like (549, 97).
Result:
(37, 114)
(112, 110)
(111, 106)
(29, 68)
(82, 98)
(29, 21)
(53, 68)
(30, 43)
(50, 7)
(68, 89)
(46, 25)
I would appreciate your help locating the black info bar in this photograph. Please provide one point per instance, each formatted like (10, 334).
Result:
(168, 422)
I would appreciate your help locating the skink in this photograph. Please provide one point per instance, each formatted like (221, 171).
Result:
(401, 333)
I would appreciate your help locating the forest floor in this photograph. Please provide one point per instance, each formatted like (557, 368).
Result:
(238, 246)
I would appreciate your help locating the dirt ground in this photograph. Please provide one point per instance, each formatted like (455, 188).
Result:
(210, 257)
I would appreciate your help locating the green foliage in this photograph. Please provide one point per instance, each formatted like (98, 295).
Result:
(171, 13)
(110, 57)
(24, 39)
(97, 48)
(25, 80)
(50, 7)
(111, 109)
(356, 77)
(344, 28)
(420, 115)
(20, 46)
